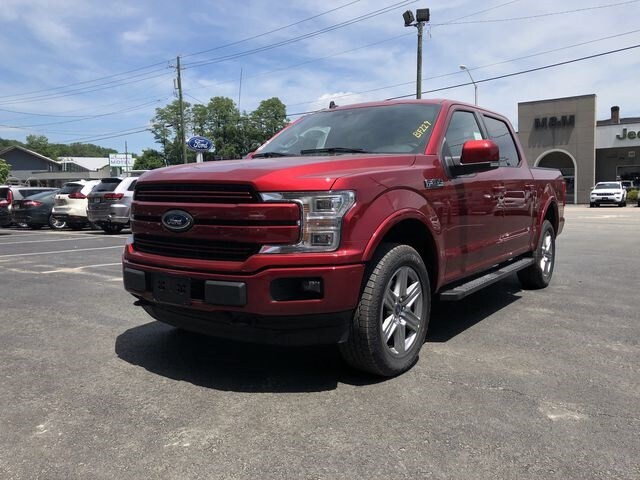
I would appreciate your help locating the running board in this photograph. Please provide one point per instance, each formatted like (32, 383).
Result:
(461, 291)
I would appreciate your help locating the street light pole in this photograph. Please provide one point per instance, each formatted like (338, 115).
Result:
(475, 85)
(419, 61)
(418, 21)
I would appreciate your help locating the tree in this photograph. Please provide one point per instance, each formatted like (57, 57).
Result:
(40, 144)
(269, 118)
(149, 160)
(5, 168)
(165, 128)
(233, 134)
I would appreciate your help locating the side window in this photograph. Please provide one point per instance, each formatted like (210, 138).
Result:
(132, 186)
(499, 133)
(463, 127)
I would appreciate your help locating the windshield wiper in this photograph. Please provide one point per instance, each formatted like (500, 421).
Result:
(271, 155)
(332, 150)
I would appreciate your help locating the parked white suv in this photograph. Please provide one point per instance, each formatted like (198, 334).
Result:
(70, 204)
(608, 193)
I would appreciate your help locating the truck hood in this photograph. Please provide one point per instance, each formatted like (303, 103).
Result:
(275, 174)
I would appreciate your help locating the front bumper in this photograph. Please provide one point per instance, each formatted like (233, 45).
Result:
(70, 219)
(266, 306)
(613, 199)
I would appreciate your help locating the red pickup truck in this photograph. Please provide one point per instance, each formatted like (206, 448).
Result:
(343, 227)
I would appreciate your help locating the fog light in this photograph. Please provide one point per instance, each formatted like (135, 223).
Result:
(314, 286)
(296, 289)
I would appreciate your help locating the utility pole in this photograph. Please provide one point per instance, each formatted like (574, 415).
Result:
(420, 25)
(182, 133)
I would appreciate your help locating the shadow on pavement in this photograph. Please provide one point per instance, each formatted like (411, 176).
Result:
(449, 319)
(244, 367)
(235, 366)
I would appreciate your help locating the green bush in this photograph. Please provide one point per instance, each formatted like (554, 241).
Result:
(632, 195)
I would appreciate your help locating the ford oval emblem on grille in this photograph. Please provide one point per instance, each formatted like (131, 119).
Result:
(177, 220)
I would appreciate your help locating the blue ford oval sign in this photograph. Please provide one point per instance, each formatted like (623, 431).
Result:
(200, 144)
(177, 220)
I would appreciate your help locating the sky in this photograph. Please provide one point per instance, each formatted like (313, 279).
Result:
(95, 71)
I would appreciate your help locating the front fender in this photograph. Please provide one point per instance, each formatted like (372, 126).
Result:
(390, 209)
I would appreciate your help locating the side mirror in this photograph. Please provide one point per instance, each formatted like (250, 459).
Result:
(477, 156)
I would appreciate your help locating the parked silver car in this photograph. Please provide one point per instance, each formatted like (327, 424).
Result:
(109, 203)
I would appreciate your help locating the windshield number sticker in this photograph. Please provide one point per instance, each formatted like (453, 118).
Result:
(422, 129)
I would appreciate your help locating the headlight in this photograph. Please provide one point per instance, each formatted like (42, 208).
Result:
(321, 219)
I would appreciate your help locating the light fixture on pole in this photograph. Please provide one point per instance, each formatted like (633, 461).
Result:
(418, 21)
(475, 85)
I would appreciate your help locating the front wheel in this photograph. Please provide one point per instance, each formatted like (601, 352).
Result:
(539, 274)
(390, 323)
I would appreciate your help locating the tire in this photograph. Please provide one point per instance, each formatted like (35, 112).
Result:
(56, 224)
(390, 323)
(76, 226)
(623, 203)
(539, 274)
(591, 205)
(112, 228)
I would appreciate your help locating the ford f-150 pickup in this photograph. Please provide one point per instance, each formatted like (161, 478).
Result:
(343, 227)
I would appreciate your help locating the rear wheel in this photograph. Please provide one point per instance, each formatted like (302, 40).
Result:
(56, 224)
(112, 228)
(390, 323)
(539, 274)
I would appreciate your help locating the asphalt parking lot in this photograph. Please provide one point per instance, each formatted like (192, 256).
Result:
(511, 384)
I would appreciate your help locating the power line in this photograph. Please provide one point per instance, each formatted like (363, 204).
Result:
(298, 38)
(529, 17)
(165, 62)
(457, 72)
(522, 72)
(499, 77)
(270, 31)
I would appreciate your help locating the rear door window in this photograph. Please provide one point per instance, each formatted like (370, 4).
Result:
(70, 188)
(107, 185)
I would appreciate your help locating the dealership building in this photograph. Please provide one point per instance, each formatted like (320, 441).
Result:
(564, 133)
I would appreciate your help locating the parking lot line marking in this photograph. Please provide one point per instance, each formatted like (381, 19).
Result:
(75, 269)
(40, 233)
(59, 251)
(57, 240)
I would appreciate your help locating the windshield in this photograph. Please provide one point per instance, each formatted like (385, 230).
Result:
(600, 186)
(397, 128)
